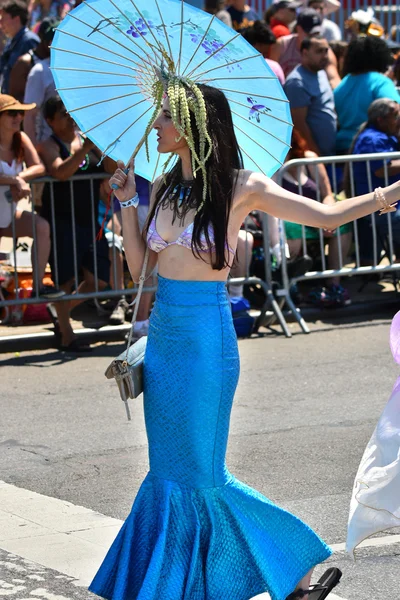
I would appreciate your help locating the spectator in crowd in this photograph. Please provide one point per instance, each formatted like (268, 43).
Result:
(117, 317)
(67, 153)
(380, 133)
(14, 17)
(43, 9)
(396, 72)
(367, 59)
(313, 182)
(281, 15)
(311, 98)
(394, 34)
(240, 267)
(110, 222)
(241, 14)
(329, 30)
(19, 163)
(40, 85)
(340, 50)
(217, 8)
(261, 37)
(26, 62)
(287, 53)
(362, 23)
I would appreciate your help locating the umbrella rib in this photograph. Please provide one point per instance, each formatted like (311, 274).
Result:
(199, 44)
(96, 58)
(112, 117)
(243, 79)
(137, 31)
(164, 27)
(160, 47)
(259, 145)
(266, 114)
(129, 37)
(234, 62)
(263, 130)
(71, 16)
(71, 110)
(178, 66)
(86, 87)
(252, 160)
(214, 53)
(88, 71)
(254, 94)
(127, 129)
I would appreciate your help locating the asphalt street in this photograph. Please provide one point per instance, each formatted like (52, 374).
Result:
(304, 411)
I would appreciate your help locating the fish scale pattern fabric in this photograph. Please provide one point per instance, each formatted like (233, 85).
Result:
(195, 532)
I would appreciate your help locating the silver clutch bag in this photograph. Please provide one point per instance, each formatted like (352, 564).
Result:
(127, 368)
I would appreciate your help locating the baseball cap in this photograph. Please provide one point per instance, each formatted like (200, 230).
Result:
(310, 20)
(278, 4)
(48, 28)
(10, 103)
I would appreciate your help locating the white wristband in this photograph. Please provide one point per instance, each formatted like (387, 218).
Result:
(132, 202)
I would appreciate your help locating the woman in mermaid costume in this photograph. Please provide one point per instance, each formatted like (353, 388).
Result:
(195, 532)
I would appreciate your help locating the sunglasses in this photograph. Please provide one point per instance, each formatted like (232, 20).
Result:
(14, 113)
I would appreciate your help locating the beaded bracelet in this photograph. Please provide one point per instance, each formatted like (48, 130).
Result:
(385, 206)
(132, 202)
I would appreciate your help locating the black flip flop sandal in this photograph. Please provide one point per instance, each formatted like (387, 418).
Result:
(321, 589)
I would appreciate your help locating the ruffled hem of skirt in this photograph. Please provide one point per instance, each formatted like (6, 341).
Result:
(181, 543)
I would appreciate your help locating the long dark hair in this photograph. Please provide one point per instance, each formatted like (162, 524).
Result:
(366, 54)
(225, 159)
(17, 147)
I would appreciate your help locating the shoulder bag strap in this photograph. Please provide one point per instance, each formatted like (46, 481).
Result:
(142, 279)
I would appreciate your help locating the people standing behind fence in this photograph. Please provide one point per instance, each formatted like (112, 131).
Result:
(340, 50)
(40, 85)
(287, 53)
(311, 98)
(19, 164)
(14, 19)
(313, 182)
(26, 63)
(380, 133)
(74, 252)
(329, 30)
(44, 9)
(261, 37)
(367, 60)
(217, 8)
(242, 14)
(281, 15)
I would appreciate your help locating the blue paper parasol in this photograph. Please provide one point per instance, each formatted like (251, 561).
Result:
(105, 57)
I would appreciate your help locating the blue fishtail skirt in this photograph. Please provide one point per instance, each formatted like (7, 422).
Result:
(195, 532)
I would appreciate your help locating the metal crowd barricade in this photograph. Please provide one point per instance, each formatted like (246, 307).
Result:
(97, 293)
(342, 271)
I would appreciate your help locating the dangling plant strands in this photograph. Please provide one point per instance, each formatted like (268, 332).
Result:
(185, 98)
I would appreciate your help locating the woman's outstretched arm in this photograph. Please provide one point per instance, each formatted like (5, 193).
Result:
(265, 195)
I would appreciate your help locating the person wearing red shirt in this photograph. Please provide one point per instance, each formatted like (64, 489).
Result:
(280, 15)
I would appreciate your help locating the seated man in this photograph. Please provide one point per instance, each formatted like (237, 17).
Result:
(379, 134)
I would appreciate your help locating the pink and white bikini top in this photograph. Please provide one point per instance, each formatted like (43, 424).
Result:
(156, 243)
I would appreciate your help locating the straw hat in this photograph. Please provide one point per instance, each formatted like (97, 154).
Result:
(10, 103)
